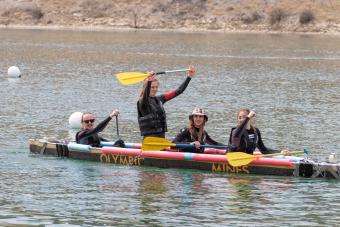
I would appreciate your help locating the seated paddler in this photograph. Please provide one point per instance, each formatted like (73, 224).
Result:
(195, 133)
(89, 134)
(247, 138)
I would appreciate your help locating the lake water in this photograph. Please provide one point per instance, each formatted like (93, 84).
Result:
(292, 81)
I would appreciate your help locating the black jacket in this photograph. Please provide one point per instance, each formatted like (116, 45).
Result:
(151, 114)
(184, 136)
(91, 137)
(244, 140)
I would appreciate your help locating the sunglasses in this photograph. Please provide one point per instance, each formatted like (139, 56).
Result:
(88, 121)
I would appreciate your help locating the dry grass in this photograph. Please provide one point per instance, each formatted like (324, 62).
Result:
(192, 14)
(249, 19)
(276, 16)
(24, 10)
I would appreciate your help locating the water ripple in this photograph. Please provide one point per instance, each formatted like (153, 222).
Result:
(291, 81)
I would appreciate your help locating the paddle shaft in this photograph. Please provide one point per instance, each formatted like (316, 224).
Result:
(158, 143)
(171, 71)
(253, 157)
(242, 159)
(184, 145)
(179, 145)
(117, 129)
(128, 78)
(275, 154)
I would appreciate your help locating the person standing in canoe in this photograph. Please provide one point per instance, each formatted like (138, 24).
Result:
(151, 114)
(195, 133)
(89, 134)
(246, 138)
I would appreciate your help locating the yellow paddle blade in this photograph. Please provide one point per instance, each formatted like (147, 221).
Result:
(128, 78)
(242, 159)
(156, 144)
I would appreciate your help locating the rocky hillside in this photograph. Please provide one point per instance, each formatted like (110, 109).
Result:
(220, 15)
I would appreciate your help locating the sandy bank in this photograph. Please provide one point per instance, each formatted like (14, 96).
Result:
(181, 30)
(259, 16)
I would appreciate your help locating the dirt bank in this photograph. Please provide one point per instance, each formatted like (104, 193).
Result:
(321, 16)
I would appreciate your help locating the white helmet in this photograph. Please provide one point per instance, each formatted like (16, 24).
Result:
(200, 112)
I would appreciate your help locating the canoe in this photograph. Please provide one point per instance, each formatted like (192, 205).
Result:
(211, 161)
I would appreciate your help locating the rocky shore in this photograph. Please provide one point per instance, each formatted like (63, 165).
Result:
(316, 16)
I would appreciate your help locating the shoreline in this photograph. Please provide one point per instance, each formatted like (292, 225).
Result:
(97, 28)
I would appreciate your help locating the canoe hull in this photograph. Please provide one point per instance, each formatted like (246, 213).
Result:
(166, 159)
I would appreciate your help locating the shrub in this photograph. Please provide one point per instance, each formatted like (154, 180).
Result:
(255, 16)
(30, 9)
(276, 16)
(306, 17)
(36, 13)
(93, 9)
(230, 8)
(6, 13)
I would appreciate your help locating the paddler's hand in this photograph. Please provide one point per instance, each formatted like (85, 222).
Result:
(196, 144)
(285, 152)
(191, 72)
(251, 114)
(257, 153)
(114, 113)
(151, 76)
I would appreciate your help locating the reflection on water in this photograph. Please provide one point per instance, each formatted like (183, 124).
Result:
(292, 81)
(53, 191)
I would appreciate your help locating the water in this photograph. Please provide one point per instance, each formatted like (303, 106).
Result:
(292, 81)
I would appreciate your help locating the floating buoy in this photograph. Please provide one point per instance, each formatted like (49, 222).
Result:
(13, 72)
(75, 120)
(332, 158)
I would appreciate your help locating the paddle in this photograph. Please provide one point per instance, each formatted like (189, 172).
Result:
(118, 142)
(129, 78)
(157, 143)
(117, 129)
(242, 159)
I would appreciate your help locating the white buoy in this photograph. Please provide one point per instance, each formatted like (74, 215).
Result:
(13, 72)
(332, 158)
(75, 120)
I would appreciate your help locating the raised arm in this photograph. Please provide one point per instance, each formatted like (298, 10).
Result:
(144, 99)
(172, 94)
(100, 127)
(240, 128)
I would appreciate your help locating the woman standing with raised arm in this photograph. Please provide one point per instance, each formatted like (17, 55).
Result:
(151, 114)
